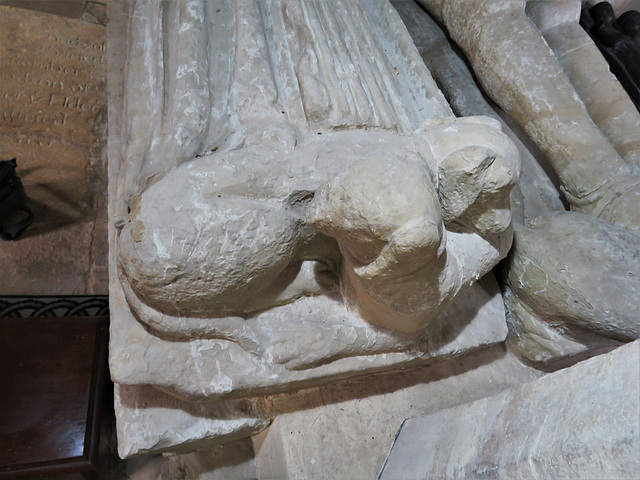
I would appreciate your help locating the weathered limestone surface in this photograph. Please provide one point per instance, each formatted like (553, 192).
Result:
(345, 430)
(572, 282)
(522, 74)
(342, 430)
(582, 422)
(559, 327)
(288, 207)
(151, 420)
(606, 101)
(52, 118)
(195, 368)
(538, 194)
(233, 460)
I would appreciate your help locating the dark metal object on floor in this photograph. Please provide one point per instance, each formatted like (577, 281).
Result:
(15, 214)
(619, 42)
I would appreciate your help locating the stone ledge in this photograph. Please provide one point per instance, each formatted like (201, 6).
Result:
(582, 422)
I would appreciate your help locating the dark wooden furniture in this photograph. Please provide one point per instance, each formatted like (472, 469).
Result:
(52, 373)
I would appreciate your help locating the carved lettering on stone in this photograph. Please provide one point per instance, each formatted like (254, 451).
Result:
(52, 118)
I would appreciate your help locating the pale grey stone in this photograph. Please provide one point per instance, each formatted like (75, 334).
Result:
(451, 72)
(571, 280)
(150, 420)
(345, 430)
(194, 368)
(582, 422)
(552, 332)
(606, 100)
(289, 209)
(521, 73)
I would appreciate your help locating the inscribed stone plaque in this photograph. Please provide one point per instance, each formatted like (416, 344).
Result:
(52, 119)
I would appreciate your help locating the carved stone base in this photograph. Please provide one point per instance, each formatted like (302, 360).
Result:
(219, 370)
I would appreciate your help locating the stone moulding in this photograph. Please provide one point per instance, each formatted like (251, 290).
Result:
(194, 369)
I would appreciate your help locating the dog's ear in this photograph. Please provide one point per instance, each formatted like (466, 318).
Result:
(14, 161)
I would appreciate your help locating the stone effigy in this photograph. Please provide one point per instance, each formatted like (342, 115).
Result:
(393, 260)
(522, 74)
(543, 326)
(547, 263)
(535, 193)
(293, 201)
